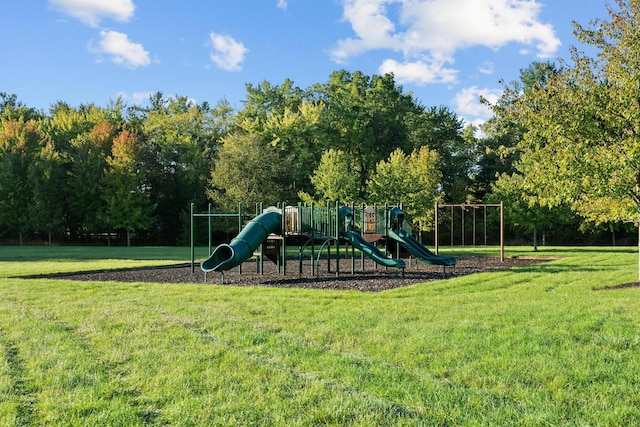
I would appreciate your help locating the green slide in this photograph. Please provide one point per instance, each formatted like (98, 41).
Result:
(241, 248)
(373, 252)
(418, 250)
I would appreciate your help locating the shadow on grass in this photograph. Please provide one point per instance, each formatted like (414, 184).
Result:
(616, 287)
(586, 249)
(558, 268)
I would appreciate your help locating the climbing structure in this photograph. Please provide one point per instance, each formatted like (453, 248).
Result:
(366, 228)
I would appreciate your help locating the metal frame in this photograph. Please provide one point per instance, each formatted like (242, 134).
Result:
(464, 206)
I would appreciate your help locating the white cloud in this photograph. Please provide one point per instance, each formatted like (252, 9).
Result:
(467, 102)
(136, 98)
(91, 12)
(370, 23)
(487, 67)
(121, 50)
(419, 72)
(142, 98)
(228, 53)
(282, 4)
(424, 31)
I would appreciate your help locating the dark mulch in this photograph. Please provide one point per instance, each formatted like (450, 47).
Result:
(370, 278)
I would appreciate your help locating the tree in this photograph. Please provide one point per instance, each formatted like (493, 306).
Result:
(498, 151)
(126, 190)
(182, 138)
(89, 153)
(286, 117)
(366, 118)
(20, 144)
(441, 130)
(335, 180)
(82, 138)
(12, 109)
(247, 171)
(582, 139)
(46, 177)
(522, 209)
(412, 180)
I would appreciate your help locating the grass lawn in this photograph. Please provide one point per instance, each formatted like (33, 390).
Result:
(529, 346)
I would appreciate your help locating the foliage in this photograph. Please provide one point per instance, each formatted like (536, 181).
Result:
(126, 189)
(499, 151)
(581, 144)
(46, 178)
(287, 118)
(182, 138)
(366, 118)
(20, 145)
(248, 171)
(89, 152)
(335, 180)
(322, 143)
(522, 209)
(441, 130)
(410, 179)
(12, 109)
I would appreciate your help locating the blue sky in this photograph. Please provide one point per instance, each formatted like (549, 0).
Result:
(446, 52)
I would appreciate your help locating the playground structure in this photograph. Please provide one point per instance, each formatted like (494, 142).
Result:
(472, 208)
(269, 232)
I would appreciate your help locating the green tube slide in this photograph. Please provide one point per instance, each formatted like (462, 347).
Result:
(418, 250)
(241, 248)
(373, 252)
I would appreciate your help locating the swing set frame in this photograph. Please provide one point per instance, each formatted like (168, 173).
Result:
(464, 207)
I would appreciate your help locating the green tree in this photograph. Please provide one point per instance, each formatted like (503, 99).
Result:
(182, 138)
(441, 130)
(498, 150)
(287, 118)
(89, 153)
(12, 109)
(20, 145)
(410, 179)
(78, 136)
(247, 171)
(582, 139)
(366, 118)
(126, 190)
(523, 211)
(46, 177)
(334, 179)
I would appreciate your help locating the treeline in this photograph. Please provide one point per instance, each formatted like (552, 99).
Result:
(75, 173)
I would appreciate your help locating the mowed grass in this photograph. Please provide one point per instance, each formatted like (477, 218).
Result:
(529, 346)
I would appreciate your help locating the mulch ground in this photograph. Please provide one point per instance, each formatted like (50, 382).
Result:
(367, 279)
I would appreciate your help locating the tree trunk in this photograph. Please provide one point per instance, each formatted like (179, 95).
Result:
(535, 238)
(613, 234)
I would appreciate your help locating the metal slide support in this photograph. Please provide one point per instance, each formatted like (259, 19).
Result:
(210, 225)
(353, 249)
(337, 236)
(363, 227)
(436, 236)
(502, 231)
(193, 252)
(313, 243)
(239, 230)
(284, 238)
